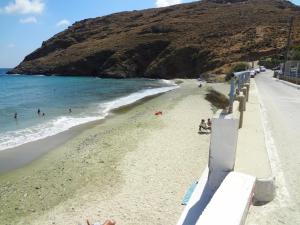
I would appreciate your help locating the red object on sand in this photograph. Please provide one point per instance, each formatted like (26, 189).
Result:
(159, 113)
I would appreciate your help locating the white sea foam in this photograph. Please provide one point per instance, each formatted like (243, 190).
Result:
(169, 82)
(134, 97)
(16, 138)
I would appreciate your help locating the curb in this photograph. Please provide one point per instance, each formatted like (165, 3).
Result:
(265, 188)
(289, 84)
(264, 191)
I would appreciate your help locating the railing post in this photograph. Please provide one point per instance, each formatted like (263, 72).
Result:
(239, 84)
(297, 73)
(247, 86)
(231, 94)
(241, 93)
(242, 107)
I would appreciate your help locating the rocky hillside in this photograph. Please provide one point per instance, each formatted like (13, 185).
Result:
(178, 41)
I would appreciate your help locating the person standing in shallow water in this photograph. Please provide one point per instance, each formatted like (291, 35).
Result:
(16, 115)
(70, 110)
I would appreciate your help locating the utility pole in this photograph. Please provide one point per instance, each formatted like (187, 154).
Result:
(288, 44)
(297, 74)
(252, 45)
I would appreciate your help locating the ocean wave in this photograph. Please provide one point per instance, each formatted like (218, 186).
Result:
(132, 98)
(168, 82)
(16, 138)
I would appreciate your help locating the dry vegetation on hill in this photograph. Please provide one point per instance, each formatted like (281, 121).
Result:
(180, 41)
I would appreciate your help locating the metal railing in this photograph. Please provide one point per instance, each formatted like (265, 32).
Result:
(238, 80)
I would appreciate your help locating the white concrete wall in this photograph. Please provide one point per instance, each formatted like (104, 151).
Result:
(221, 161)
(222, 150)
(197, 202)
(231, 202)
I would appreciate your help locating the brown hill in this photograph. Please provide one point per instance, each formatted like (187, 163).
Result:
(178, 41)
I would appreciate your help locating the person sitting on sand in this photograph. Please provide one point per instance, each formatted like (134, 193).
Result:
(107, 222)
(159, 113)
(203, 126)
(209, 124)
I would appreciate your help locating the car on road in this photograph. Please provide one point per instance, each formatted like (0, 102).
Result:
(262, 69)
(252, 73)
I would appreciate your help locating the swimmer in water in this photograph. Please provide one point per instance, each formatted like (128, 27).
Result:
(16, 116)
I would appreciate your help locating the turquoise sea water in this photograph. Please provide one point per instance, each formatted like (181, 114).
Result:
(89, 98)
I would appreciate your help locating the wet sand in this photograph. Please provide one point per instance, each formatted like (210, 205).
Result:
(15, 158)
(134, 167)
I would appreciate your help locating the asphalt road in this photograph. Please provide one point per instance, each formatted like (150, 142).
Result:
(281, 117)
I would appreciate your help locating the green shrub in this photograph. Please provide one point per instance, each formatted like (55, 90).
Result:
(241, 66)
(295, 53)
(237, 67)
(269, 63)
(297, 48)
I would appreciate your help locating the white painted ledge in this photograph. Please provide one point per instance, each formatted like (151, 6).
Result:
(231, 202)
(197, 202)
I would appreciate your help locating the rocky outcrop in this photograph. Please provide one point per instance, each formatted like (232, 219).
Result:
(180, 41)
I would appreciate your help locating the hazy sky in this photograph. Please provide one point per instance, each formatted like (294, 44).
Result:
(25, 24)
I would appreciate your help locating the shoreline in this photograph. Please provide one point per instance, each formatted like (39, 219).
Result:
(17, 157)
(90, 171)
(22, 155)
(59, 122)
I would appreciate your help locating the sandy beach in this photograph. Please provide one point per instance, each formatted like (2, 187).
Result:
(133, 167)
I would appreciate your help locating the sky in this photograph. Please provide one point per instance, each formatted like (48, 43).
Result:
(25, 24)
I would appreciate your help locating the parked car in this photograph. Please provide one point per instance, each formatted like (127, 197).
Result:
(277, 73)
(252, 73)
(257, 70)
(262, 69)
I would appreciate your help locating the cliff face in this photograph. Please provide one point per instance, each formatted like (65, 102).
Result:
(178, 41)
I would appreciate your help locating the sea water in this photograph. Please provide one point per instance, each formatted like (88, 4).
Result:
(89, 99)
